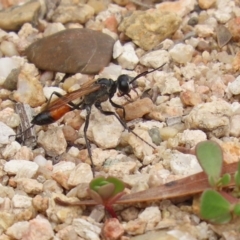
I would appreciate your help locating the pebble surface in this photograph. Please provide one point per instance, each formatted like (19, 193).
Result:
(193, 97)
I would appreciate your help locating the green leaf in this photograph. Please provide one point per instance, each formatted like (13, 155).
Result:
(236, 209)
(214, 207)
(225, 179)
(119, 185)
(237, 175)
(210, 157)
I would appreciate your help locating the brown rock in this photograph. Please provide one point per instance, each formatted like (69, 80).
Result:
(13, 18)
(112, 229)
(206, 4)
(234, 28)
(72, 51)
(190, 98)
(138, 108)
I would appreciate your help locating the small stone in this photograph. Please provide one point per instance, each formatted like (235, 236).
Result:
(67, 233)
(30, 186)
(184, 164)
(204, 31)
(53, 28)
(6, 134)
(6, 220)
(155, 135)
(138, 108)
(39, 229)
(13, 18)
(234, 29)
(29, 89)
(117, 49)
(18, 230)
(182, 53)
(76, 175)
(167, 83)
(223, 35)
(191, 138)
(190, 98)
(65, 13)
(6, 66)
(52, 186)
(40, 203)
(152, 216)
(155, 59)
(158, 26)
(63, 214)
(136, 227)
(11, 81)
(8, 49)
(234, 87)
(129, 214)
(128, 58)
(168, 132)
(21, 167)
(53, 141)
(85, 229)
(86, 51)
(6, 192)
(193, 21)
(235, 129)
(104, 130)
(140, 148)
(21, 201)
(212, 117)
(181, 7)
(112, 229)
(120, 169)
(9, 117)
(70, 133)
(206, 4)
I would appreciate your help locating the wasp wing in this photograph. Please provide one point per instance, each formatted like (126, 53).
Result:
(65, 99)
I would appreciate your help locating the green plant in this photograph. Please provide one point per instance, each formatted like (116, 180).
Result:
(106, 191)
(217, 206)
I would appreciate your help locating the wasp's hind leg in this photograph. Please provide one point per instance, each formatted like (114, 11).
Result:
(88, 109)
(99, 107)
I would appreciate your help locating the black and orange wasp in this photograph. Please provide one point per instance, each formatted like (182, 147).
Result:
(92, 93)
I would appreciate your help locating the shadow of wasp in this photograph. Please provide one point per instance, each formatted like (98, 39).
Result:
(92, 93)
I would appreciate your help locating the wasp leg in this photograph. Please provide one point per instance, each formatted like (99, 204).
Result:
(118, 106)
(88, 109)
(59, 95)
(99, 107)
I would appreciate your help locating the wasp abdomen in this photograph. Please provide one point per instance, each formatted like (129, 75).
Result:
(51, 116)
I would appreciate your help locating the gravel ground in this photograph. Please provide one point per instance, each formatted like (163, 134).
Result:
(193, 97)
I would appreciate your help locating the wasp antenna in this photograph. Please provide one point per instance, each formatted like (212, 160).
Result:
(145, 73)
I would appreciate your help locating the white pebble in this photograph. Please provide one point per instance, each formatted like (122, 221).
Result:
(8, 49)
(6, 66)
(21, 201)
(234, 87)
(5, 134)
(40, 160)
(184, 164)
(182, 53)
(117, 49)
(48, 91)
(27, 168)
(155, 59)
(128, 59)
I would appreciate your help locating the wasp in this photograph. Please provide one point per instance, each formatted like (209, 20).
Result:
(92, 93)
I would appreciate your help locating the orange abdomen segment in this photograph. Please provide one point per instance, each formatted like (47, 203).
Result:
(50, 116)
